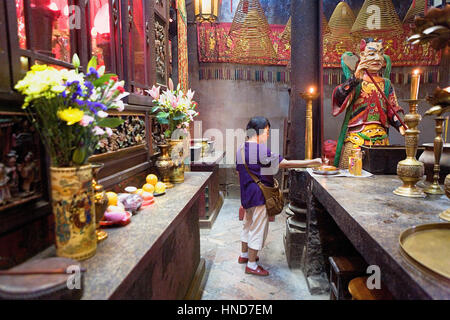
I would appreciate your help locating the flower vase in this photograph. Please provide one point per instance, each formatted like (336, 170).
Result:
(176, 152)
(73, 207)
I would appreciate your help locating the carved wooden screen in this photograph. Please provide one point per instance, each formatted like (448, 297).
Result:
(161, 41)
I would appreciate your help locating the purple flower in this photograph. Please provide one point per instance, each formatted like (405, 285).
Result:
(93, 72)
(100, 105)
(90, 87)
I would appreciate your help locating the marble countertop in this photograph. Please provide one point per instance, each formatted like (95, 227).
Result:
(373, 218)
(118, 257)
(214, 158)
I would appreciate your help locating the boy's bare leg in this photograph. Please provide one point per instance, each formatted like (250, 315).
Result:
(252, 255)
(244, 247)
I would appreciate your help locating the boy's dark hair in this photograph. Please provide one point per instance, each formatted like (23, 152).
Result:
(256, 124)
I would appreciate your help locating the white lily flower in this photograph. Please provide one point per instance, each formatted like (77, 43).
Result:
(102, 114)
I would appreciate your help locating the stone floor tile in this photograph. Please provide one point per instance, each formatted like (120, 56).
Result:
(227, 280)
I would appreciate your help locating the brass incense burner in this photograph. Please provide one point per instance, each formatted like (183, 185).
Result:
(164, 164)
(434, 187)
(101, 201)
(441, 104)
(410, 170)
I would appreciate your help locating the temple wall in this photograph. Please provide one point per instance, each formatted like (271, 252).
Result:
(229, 104)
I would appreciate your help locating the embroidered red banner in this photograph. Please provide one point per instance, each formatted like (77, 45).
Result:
(183, 70)
(215, 46)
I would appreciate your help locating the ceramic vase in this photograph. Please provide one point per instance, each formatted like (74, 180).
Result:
(176, 153)
(73, 207)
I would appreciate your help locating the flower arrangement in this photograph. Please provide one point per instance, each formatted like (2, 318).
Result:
(70, 108)
(174, 108)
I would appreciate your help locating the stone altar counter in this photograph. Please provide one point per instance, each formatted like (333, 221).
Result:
(373, 218)
(213, 198)
(154, 257)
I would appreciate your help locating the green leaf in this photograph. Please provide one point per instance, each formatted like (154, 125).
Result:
(110, 122)
(103, 79)
(154, 109)
(76, 61)
(162, 118)
(79, 156)
(163, 114)
(92, 63)
(179, 116)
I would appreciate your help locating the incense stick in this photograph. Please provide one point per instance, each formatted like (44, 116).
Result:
(386, 100)
(33, 272)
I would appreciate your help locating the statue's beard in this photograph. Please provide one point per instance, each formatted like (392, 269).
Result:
(373, 66)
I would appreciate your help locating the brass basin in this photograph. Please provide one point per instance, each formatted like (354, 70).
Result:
(429, 245)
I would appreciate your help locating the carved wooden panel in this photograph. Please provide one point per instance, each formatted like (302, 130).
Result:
(132, 133)
(161, 51)
(161, 7)
(21, 178)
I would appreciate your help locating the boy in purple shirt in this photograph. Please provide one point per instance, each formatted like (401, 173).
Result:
(264, 164)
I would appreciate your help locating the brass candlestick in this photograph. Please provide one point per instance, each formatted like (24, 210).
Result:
(309, 97)
(101, 201)
(410, 170)
(435, 188)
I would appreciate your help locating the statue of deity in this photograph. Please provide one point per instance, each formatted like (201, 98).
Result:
(12, 173)
(27, 172)
(367, 117)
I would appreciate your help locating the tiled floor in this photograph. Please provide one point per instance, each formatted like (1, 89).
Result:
(226, 279)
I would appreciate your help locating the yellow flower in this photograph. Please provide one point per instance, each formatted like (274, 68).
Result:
(71, 115)
(39, 67)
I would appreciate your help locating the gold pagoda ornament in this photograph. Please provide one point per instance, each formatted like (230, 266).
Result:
(417, 9)
(325, 26)
(376, 16)
(286, 35)
(341, 22)
(250, 32)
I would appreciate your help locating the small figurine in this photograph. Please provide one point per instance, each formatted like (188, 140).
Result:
(11, 172)
(27, 172)
(5, 195)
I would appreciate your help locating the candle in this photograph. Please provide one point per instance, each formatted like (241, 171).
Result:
(415, 81)
(311, 90)
(446, 128)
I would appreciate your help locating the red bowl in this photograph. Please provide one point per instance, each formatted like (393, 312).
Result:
(123, 222)
(147, 203)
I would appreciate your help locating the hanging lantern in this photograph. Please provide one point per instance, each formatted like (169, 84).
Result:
(207, 10)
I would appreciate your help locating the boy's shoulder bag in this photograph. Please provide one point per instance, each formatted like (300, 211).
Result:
(273, 196)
